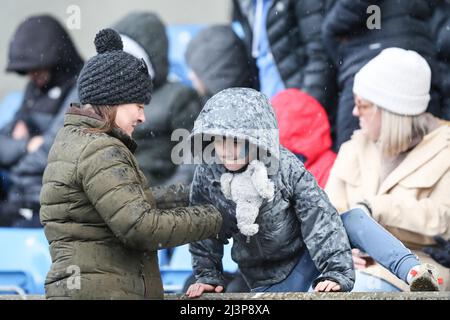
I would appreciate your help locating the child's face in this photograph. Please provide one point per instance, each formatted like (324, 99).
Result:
(231, 153)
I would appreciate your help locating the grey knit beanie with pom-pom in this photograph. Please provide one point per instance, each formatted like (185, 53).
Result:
(113, 77)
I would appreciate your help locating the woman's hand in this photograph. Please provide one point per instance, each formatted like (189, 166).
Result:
(327, 286)
(196, 290)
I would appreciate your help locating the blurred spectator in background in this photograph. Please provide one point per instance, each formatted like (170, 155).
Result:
(352, 39)
(440, 24)
(284, 40)
(305, 131)
(440, 252)
(42, 50)
(218, 60)
(398, 165)
(173, 105)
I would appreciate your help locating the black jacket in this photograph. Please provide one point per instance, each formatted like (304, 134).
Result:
(440, 25)
(39, 43)
(293, 30)
(404, 24)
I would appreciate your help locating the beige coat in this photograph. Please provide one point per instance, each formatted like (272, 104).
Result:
(413, 202)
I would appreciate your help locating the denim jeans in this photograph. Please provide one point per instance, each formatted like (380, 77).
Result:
(299, 280)
(365, 234)
(367, 283)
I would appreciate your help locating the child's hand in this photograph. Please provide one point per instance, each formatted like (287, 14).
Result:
(327, 286)
(195, 290)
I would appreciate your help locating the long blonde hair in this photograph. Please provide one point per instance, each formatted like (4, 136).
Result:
(398, 131)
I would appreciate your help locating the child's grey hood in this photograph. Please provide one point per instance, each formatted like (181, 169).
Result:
(245, 114)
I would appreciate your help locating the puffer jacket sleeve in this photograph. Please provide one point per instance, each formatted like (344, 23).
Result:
(173, 196)
(344, 17)
(319, 74)
(110, 182)
(322, 229)
(206, 254)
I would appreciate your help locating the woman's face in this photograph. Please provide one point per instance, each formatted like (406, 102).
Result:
(232, 154)
(369, 117)
(128, 116)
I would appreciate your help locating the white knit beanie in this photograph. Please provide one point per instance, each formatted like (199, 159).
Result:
(397, 80)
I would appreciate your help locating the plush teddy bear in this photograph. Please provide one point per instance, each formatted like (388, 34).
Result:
(248, 189)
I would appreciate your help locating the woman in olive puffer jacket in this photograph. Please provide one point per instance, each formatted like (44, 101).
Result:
(102, 222)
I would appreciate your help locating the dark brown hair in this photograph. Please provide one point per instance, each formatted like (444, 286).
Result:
(106, 114)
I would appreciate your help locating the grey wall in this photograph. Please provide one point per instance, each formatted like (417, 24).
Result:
(94, 15)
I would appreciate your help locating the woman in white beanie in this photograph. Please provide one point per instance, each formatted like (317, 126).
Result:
(397, 166)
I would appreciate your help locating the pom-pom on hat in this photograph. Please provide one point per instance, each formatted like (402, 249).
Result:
(113, 77)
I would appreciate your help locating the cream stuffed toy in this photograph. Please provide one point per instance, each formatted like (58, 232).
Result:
(248, 189)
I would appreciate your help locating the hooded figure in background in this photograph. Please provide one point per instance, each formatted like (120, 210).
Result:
(42, 50)
(305, 131)
(218, 60)
(173, 106)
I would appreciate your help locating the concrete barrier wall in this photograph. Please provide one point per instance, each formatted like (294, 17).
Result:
(297, 296)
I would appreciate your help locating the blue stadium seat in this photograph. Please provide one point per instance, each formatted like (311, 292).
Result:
(175, 274)
(24, 260)
(163, 257)
(228, 264)
(9, 105)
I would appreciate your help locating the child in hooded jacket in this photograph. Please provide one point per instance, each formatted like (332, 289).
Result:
(297, 238)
